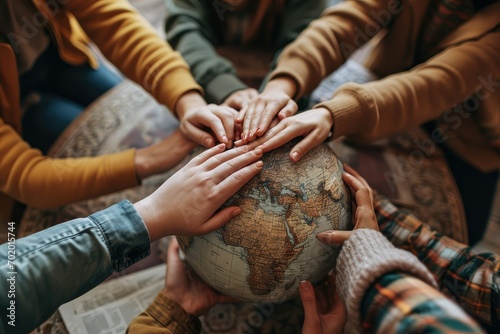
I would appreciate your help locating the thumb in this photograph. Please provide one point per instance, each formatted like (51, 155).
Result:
(333, 237)
(196, 134)
(311, 318)
(220, 219)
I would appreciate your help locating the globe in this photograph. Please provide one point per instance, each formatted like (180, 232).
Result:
(264, 253)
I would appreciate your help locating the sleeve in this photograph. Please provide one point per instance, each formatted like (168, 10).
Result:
(473, 279)
(135, 48)
(401, 303)
(39, 181)
(190, 31)
(298, 14)
(366, 256)
(164, 316)
(407, 99)
(320, 49)
(54, 266)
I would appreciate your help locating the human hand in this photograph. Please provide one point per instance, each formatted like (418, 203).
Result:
(185, 203)
(185, 288)
(162, 156)
(324, 311)
(198, 119)
(364, 214)
(314, 125)
(257, 115)
(241, 98)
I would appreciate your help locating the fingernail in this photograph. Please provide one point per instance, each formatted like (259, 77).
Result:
(258, 151)
(258, 129)
(303, 285)
(324, 236)
(259, 164)
(236, 212)
(220, 146)
(295, 156)
(224, 139)
(250, 135)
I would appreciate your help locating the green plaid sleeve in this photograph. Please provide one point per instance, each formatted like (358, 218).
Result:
(472, 279)
(399, 303)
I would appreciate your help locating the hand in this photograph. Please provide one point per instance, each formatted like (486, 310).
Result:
(197, 119)
(162, 156)
(241, 98)
(186, 288)
(185, 204)
(314, 125)
(276, 99)
(364, 214)
(323, 308)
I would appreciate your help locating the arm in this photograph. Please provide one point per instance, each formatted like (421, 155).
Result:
(65, 261)
(298, 15)
(404, 100)
(39, 181)
(320, 49)
(473, 279)
(385, 289)
(189, 31)
(129, 42)
(388, 290)
(61, 263)
(164, 316)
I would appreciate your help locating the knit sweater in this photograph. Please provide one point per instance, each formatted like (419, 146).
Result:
(463, 66)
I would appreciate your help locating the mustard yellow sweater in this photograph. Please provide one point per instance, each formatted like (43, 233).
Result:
(129, 42)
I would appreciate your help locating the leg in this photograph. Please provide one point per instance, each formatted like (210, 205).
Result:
(82, 84)
(44, 121)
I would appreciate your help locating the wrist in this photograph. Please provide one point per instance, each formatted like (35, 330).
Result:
(156, 228)
(282, 84)
(189, 100)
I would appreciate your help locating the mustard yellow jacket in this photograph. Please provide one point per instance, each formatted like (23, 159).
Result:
(129, 42)
(466, 63)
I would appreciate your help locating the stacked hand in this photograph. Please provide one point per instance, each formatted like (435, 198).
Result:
(185, 204)
(206, 124)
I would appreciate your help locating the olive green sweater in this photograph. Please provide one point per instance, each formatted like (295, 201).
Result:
(196, 27)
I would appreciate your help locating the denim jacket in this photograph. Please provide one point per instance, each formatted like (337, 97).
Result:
(54, 266)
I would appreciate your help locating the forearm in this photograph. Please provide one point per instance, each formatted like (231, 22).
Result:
(404, 100)
(365, 257)
(190, 31)
(39, 181)
(329, 41)
(135, 48)
(416, 306)
(474, 279)
(63, 262)
(164, 316)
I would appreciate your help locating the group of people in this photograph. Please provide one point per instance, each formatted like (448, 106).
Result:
(438, 65)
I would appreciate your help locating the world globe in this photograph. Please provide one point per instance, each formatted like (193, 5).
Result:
(264, 253)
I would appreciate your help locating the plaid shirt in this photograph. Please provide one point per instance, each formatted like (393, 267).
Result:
(472, 279)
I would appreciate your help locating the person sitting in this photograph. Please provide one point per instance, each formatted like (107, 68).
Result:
(45, 50)
(438, 65)
(215, 36)
(60, 263)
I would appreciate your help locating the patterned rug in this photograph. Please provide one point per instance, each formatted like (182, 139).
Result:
(405, 168)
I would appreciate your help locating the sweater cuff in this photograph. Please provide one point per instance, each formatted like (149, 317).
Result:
(125, 233)
(353, 110)
(222, 86)
(365, 257)
(171, 315)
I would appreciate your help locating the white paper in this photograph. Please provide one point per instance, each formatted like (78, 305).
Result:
(111, 306)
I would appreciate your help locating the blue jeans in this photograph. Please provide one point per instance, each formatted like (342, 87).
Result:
(64, 91)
